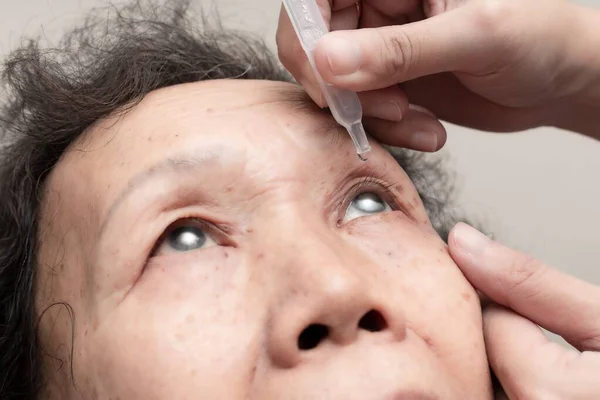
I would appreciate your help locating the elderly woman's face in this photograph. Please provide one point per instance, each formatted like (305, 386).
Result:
(221, 242)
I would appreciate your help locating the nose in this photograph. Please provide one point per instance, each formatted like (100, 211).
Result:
(335, 297)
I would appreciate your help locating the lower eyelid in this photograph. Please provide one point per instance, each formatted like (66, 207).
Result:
(174, 258)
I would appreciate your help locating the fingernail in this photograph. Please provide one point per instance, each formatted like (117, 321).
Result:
(389, 110)
(344, 56)
(415, 107)
(470, 239)
(424, 141)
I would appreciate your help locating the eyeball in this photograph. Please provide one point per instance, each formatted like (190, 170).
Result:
(364, 204)
(186, 236)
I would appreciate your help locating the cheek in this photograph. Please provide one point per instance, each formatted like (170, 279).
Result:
(397, 240)
(186, 317)
(440, 305)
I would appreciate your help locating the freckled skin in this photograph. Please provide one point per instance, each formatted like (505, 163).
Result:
(224, 321)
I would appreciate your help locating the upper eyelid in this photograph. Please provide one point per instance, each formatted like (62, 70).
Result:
(214, 231)
(374, 183)
(223, 232)
(382, 188)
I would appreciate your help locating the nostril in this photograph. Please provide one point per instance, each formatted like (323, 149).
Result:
(372, 321)
(311, 336)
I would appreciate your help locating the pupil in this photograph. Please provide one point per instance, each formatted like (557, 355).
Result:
(369, 203)
(186, 238)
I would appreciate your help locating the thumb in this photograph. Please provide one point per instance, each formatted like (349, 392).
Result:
(527, 364)
(552, 299)
(366, 59)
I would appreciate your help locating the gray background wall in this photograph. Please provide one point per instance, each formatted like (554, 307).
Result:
(539, 191)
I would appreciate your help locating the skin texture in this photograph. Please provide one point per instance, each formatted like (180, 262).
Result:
(272, 180)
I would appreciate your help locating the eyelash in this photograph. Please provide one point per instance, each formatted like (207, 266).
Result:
(219, 235)
(371, 183)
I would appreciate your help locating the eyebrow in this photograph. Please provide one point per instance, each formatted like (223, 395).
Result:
(299, 101)
(181, 162)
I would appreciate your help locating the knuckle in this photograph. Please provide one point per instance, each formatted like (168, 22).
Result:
(398, 52)
(523, 273)
(494, 14)
(591, 340)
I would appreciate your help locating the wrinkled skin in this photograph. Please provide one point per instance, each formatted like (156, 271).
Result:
(276, 188)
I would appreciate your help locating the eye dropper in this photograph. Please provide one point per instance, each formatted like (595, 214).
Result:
(344, 104)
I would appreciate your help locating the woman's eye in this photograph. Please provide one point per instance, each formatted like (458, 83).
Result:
(185, 237)
(367, 203)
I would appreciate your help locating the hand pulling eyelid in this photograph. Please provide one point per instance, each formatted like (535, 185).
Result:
(344, 104)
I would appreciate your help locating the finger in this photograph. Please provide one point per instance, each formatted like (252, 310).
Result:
(435, 7)
(346, 18)
(558, 302)
(373, 18)
(294, 59)
(394, 8)
(389, 104)
(308, 82)
(368, 59)
(452, 102)
(417, 131)
(527, 364)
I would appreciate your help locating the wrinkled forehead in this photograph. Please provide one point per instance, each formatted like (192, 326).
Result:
(233, 115)
(239, 124)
